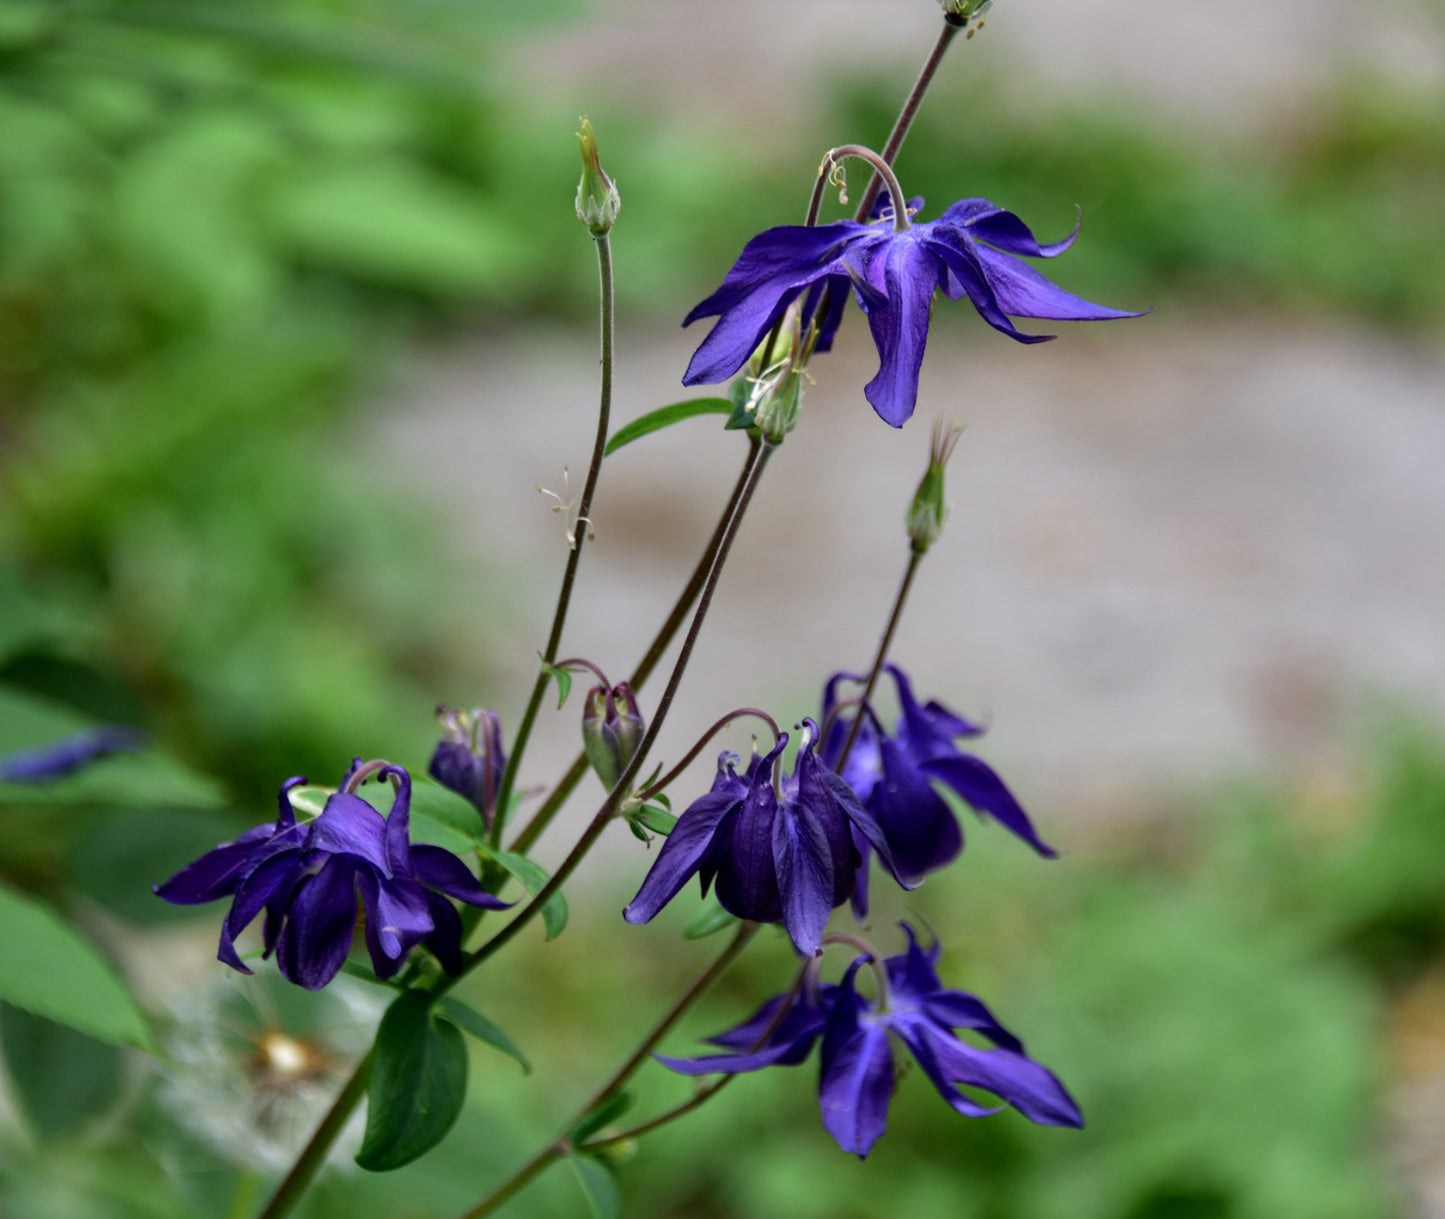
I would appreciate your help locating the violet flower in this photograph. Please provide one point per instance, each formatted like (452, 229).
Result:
(857, 1074)
(469, 758)
(895, 778)
(778, 856)
(56, 759)
(893, 267)
(306, 878)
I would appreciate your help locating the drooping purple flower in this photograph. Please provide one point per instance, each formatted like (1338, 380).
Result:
(777, 856)
(307, 878)
(856, 1065)
(469, 758)
(59, 758)
(972, 250)
(895, 778)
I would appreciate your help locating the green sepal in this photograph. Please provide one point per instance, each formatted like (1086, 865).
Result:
(534, 877)
(665, 416)
(564, 682)
(743, 415)
(711, 918)
(656, 819)
(418, 1084)
(469, 1020)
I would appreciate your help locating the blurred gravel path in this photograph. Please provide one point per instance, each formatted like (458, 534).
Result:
(1177, 548)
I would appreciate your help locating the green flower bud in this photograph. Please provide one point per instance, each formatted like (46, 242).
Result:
(612, 729)
(929, 508)
(597, 199)
(960, 12)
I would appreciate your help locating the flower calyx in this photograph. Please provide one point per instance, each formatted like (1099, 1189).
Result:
(928, 510)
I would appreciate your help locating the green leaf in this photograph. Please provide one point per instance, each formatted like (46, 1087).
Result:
(534, 877)
(472, 1021)
(418, 1084)
(611, 1108)
(665, 416)
(564, 682)
(712, 917)
(47, 969)
(598, 1185)
(64, 1079)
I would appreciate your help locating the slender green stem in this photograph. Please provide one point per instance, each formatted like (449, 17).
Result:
(542, 818)
(289, 1192)
(907, 114)
(914, 558)
(560, 1147)
(574, 554)
(614, 799)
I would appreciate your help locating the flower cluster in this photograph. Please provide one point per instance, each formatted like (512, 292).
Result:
(893, 267)
(307, 877)
(857, 1075)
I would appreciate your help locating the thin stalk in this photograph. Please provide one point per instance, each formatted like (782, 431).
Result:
(659, 785)
(914, 558)
(906, 115)
(574, 554)
(660, 643)
(560, 1147)
(614, 799)
(289, 1192)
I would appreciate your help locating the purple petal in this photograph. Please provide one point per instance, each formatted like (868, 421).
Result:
(735, 1064)
(742, 856)
(856, 1080)
(67, 755)
(680, 855)
(442, 870)
(985, 791)
(348, 825)
(794, 1033)
(445, 941)
(1030, 1088)
(1003, 229)
(921, 829)
(216, 873)
(772, 270)
(926, 730)
(967, 276)
(922, 1040)
(398, 822)
(272, 881)
(321, 921)
(908, 273)
(1023, 292)
(397, 912)
(803, 858)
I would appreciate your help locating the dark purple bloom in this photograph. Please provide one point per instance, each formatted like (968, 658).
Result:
(895, 778)
(306, 878)
(69, 754)
(857, 1074)
(971, 250)
(784, 856)
(469, 758)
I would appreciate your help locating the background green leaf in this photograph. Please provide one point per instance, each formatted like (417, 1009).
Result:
(472, 1021)
(64, 1079)
(46, 968)
(534, 877)
(599, 1186)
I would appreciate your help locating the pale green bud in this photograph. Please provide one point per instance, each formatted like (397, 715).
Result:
(597, 199)
(928, 509)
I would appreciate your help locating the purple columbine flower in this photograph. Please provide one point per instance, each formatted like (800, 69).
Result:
(857, 1074)
(469, 758)
(59, 758)
(971, 250)
(894, 777)
(778, 856)
(306, 878)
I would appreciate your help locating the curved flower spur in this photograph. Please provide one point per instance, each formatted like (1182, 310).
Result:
(780, 851)
(893, 267)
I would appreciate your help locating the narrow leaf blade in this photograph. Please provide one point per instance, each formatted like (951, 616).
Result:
(598, 1186)
(472, 1021)
(665, 416)
(534, 878)
(711, 918)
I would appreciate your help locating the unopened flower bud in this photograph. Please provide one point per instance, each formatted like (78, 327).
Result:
(960, 12)
(928, 509)
(469, 758)
(597, 199)
(612, 729)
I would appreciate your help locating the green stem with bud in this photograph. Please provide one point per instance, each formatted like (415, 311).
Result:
(915, 557)
(574, 555)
